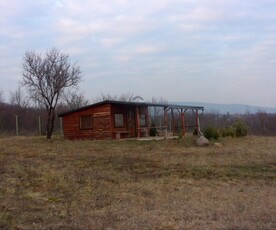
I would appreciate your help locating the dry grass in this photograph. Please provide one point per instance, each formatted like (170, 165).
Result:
(170, 184)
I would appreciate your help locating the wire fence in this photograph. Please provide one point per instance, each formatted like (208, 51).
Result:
(33, 122)
(27, 126)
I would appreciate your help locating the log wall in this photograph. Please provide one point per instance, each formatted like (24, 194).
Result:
(101, 124)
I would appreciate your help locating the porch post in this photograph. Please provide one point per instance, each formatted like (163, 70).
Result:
(197, 123)
(172, 121)
(138, 122)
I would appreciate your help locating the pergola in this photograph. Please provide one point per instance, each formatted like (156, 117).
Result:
(171, 108)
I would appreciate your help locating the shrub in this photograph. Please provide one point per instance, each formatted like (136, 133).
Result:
(223, 132)
(211, 133)
(240, 128)
(229, 131)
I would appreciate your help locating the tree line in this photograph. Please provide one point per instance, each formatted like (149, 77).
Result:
(50, 85)
(31, 115)
(260, 123)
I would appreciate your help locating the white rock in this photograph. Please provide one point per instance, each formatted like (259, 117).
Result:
(202, 141)
(219, 145)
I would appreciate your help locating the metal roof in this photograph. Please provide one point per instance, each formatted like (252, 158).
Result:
(132, 103)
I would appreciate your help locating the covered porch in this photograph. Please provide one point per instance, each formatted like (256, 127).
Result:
(157, 121)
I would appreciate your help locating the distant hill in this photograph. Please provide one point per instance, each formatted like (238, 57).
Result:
(231, 108)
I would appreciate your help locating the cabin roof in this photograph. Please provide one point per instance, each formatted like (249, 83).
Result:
(140, 104)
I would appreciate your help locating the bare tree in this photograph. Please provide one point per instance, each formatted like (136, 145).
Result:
(74, 100)
(46, 77)
(126, 97)
(2, 98)
(103, 97)
(18, 98)
(157, 113)
(121, 97)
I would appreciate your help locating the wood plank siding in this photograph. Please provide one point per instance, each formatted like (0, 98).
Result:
(101, 124)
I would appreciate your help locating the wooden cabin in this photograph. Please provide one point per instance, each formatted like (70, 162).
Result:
(113, 120)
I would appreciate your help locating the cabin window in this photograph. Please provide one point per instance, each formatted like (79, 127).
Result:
(143, 122)
(119, 120)
(86, 122)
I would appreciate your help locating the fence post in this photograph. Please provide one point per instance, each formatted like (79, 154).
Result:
(61, 126)
(16, 125)
(39, 126)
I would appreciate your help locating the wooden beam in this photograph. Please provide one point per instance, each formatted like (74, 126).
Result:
(172, 121)
(197, 123)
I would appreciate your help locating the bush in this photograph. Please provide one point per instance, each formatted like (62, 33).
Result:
(211, 133)
(223, 132)
(229, 131)
(240, 128)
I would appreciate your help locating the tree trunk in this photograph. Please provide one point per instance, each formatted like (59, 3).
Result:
(53, 117)
(50, 122)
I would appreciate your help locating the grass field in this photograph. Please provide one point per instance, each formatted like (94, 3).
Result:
(171, 184)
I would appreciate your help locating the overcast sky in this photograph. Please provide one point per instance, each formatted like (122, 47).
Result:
(217, 51)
